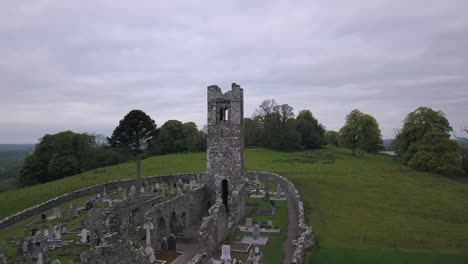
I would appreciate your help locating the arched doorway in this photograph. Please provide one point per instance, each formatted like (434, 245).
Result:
(173, 223)
(162, 227)
(225, 193)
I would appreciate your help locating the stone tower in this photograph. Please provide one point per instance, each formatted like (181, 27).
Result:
(225, 141)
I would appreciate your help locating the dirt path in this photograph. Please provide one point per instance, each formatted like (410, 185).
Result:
(288, 248)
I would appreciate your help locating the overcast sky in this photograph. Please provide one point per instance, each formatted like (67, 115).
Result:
(82, 65)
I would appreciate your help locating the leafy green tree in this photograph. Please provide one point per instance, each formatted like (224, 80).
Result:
(278, 126)
(312, 133)
(415, 126)
(437, 153)
(252, 132)
(332, 138)
(171, 137)
(133, 133)
(361, 131)
(57, 156)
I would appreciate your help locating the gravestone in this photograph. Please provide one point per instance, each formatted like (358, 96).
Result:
(163, 190)
(84, 236)
(98, 196)
(148, 226)
(132, 192)
(164, 245)
(40, 259)
(104, 192)
(120, 188)
(19, 249)
(267, 193)
(226, 253)
(171, 243)
(37, 236)
(57, 213)
(142, 190)
(57, 233)
(56, 261)
(269, 224)
(278, 191)
(248, 222)
(179, 190)
(50, 234)
(256, 231)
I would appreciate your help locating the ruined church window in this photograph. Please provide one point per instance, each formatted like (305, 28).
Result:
(223, 114)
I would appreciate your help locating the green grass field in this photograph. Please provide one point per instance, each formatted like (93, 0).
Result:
(364, 209)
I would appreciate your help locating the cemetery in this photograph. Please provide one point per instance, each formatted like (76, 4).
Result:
(226, 215)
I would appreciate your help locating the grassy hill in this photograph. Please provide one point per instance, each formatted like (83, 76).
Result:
(364, 209)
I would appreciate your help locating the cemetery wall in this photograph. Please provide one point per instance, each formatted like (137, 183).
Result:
(306, 235)
(54, 202)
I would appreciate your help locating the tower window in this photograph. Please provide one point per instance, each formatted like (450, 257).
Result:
(223, 114)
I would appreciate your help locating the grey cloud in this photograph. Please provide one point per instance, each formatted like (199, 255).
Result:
(83, 65)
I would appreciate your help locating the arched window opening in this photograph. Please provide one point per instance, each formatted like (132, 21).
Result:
(225, 193)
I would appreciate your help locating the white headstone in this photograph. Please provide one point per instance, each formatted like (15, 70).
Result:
(248, 222)
(191, 185)
(46, 233)
(179, 191)
(142, 190)
(84, 236)
(57, 234)
(98, 196)
(226, 253)
(120, 188)
(148, 226)
(132, 191)
(104, 193)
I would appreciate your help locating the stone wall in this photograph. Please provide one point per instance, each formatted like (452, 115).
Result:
(54, 202)
(305, 239)
(213, 229)
(115, 251)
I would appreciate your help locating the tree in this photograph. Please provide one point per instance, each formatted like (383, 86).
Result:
(332, 138)
(361, 131)
(133, 133)
(312, 133)
(437, 153)
(415, 126)
(424, 143)
(277, 125)
(252, 132)
(57, 156)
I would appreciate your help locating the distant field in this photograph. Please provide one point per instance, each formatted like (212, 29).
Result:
(364, 209)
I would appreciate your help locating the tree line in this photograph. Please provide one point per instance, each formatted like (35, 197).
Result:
(422, 143)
